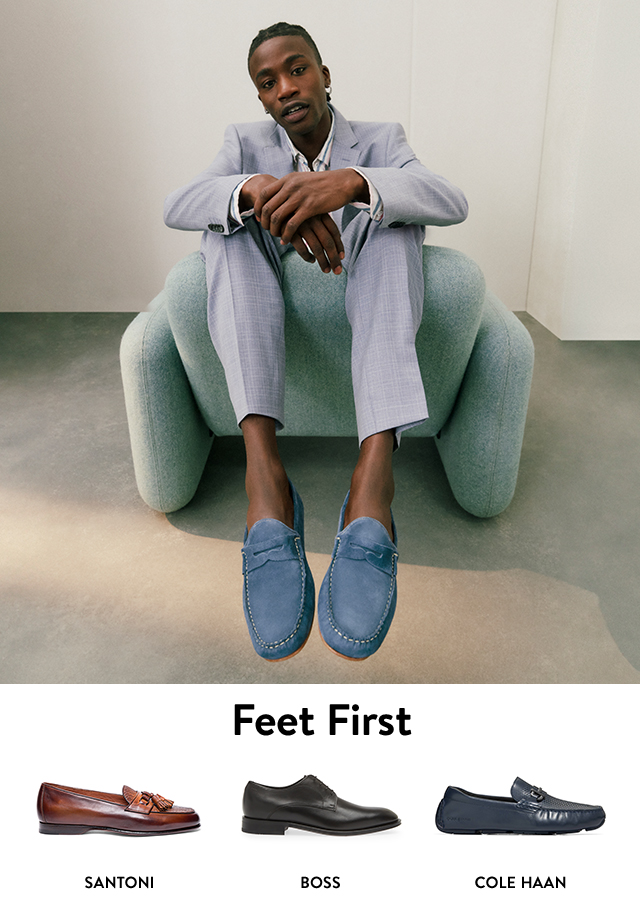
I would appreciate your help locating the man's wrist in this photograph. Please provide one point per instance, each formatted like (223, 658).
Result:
(251, 189)
(246, 199)
(360, 186)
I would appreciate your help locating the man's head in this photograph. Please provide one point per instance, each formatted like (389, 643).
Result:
(287, 70)
(276, 31)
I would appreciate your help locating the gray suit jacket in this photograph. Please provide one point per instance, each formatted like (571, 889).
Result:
(411, 194)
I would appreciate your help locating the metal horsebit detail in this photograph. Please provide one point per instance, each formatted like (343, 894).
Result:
(538, 793)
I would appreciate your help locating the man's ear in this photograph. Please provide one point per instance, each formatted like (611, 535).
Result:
(327, 75)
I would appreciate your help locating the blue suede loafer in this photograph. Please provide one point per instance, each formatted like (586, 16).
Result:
(358, 595)
(278, 594)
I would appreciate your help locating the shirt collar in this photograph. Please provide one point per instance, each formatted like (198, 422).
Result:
(324, 157)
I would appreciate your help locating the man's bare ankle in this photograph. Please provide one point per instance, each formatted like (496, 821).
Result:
(269, 497)
(370, 503)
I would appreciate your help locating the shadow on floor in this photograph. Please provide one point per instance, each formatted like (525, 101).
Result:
(575, 513)
(97, 587)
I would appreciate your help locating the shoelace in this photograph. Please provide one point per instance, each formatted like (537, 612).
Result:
(323, 785)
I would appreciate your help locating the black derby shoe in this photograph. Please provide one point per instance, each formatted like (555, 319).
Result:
(311, 806)
(528, 811)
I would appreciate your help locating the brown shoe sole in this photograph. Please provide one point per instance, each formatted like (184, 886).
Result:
(54, 828)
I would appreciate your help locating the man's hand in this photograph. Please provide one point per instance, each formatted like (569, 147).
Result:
(252, 188)
(296, 209)
(285, 205)
(318, 239)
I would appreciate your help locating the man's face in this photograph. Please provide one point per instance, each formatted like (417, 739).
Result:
(291, 85)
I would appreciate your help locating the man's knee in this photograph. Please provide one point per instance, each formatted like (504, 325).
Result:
(370, 239)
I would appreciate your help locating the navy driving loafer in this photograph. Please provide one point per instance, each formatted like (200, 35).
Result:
(358, 594)
(528, 811)
(278, 593)
(309, 805)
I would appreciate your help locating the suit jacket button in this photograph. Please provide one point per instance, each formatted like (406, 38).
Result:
(217, 228)
(397, 224)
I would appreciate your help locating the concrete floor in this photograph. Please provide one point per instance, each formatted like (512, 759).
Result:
(96, 587)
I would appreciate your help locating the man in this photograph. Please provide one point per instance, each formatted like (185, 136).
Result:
(348, 196)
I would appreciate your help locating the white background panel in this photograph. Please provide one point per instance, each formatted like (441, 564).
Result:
(574, 741)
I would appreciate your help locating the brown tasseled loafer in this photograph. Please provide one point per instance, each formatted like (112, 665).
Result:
(70, 811)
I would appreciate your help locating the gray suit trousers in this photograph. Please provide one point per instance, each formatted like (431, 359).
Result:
(384, 299)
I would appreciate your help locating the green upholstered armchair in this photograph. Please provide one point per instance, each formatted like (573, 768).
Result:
(475, 355)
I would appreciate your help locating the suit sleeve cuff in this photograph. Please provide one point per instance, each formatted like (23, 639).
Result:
(375, 207)
(234, 205)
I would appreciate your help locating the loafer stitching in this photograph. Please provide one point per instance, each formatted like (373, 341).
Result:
(352, 639)
(301, 610)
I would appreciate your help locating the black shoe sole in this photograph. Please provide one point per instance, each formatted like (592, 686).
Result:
(51, 828)
(273, 827)
(508, 831)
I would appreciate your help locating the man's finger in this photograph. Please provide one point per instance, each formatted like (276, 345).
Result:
(316, 247)
(327, 242)
(265, 195)
(281, 213)
(296, 220)
(302, 249)
(274, 211)
(322, 244)
(332, 227)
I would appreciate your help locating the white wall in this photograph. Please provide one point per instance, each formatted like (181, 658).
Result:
(107, 105)
(481, 73)
(585, 270)
(113, 103)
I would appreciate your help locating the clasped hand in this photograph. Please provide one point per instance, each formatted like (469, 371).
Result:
(296, 209)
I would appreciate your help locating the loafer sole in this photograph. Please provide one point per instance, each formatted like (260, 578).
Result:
(342, 656)
(55, 828)
(508, 831)
(276, 827)
(291, 654)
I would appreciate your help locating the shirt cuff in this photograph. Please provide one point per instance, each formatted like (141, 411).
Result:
(375, 206)
(234, 205)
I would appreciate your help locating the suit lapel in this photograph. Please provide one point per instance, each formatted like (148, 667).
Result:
(277, 155)
(345, 153)
(345, 150)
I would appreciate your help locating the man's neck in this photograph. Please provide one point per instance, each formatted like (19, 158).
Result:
(311, 144)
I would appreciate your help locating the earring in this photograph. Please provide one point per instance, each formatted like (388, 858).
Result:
(266, 111)
(327, 90)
